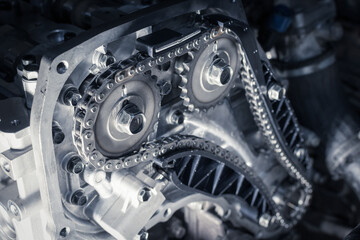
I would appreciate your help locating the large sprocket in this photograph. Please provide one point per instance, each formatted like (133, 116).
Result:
(111, 102)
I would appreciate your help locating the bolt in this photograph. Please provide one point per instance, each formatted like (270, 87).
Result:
(144, 194)
(105, 60)
(300, 152)
(142, 235)
(78, 198)
(276, 92)
(265, 220)
(177, 117)
(165, 87)
(130, 119)
(30, 71)
(57, 133)
(72, 96)
(28, 59)
(220, 73)
(75, 165)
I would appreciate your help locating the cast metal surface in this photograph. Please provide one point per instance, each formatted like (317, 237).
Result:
(128, 129)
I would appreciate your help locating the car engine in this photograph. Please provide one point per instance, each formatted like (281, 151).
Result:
(179, 119)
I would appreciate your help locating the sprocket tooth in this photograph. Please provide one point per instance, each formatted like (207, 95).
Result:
(183, 93)
(186, 67)
(188, 71)
(184, 80)
(186, 101)
(189, 57)
(191, 107)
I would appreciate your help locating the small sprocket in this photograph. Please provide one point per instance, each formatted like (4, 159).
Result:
(209, 72)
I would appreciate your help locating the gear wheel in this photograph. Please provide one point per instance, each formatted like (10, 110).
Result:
(208, 73)
(115, 117)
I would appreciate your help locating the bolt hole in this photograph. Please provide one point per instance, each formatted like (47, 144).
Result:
(136, 124)
(225, 76)
(167, 213)
(64, 232)
(62, 67)
(145, 194)
(60, 35)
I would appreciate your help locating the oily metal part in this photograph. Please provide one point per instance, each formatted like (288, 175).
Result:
(51, 82)
(96, 116)
(198, 89)
(147, 153)
(118, 75)
(265, 121)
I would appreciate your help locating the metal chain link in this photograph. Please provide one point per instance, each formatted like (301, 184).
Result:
(95, 94)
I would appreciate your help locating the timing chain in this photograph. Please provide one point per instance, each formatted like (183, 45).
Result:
(88, 108)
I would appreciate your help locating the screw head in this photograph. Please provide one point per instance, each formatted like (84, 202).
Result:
(265, 220)
(130, 119)
(78, 198)
(28, 59)
(144, 194)
(165, 87)
(57, 134)
(220, 73)
(276, 92)
(75, 165)
(142, 235)
(177, 117)
(72, 97)
(31, 71)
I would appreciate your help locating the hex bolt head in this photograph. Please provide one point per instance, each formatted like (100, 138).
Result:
(78, 198)
(300, 152)
(165, 87)
(72, 97)
(57, 133)
(130, 119)
(276, 92)
(142, 235)
(177, 117)
(31, 71)
(28, 59)
(220, 73)
(75, 165)
(265, 220)
(144, 194)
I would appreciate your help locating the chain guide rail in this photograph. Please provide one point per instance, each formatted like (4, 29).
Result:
(260, 105)
(253, 81)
